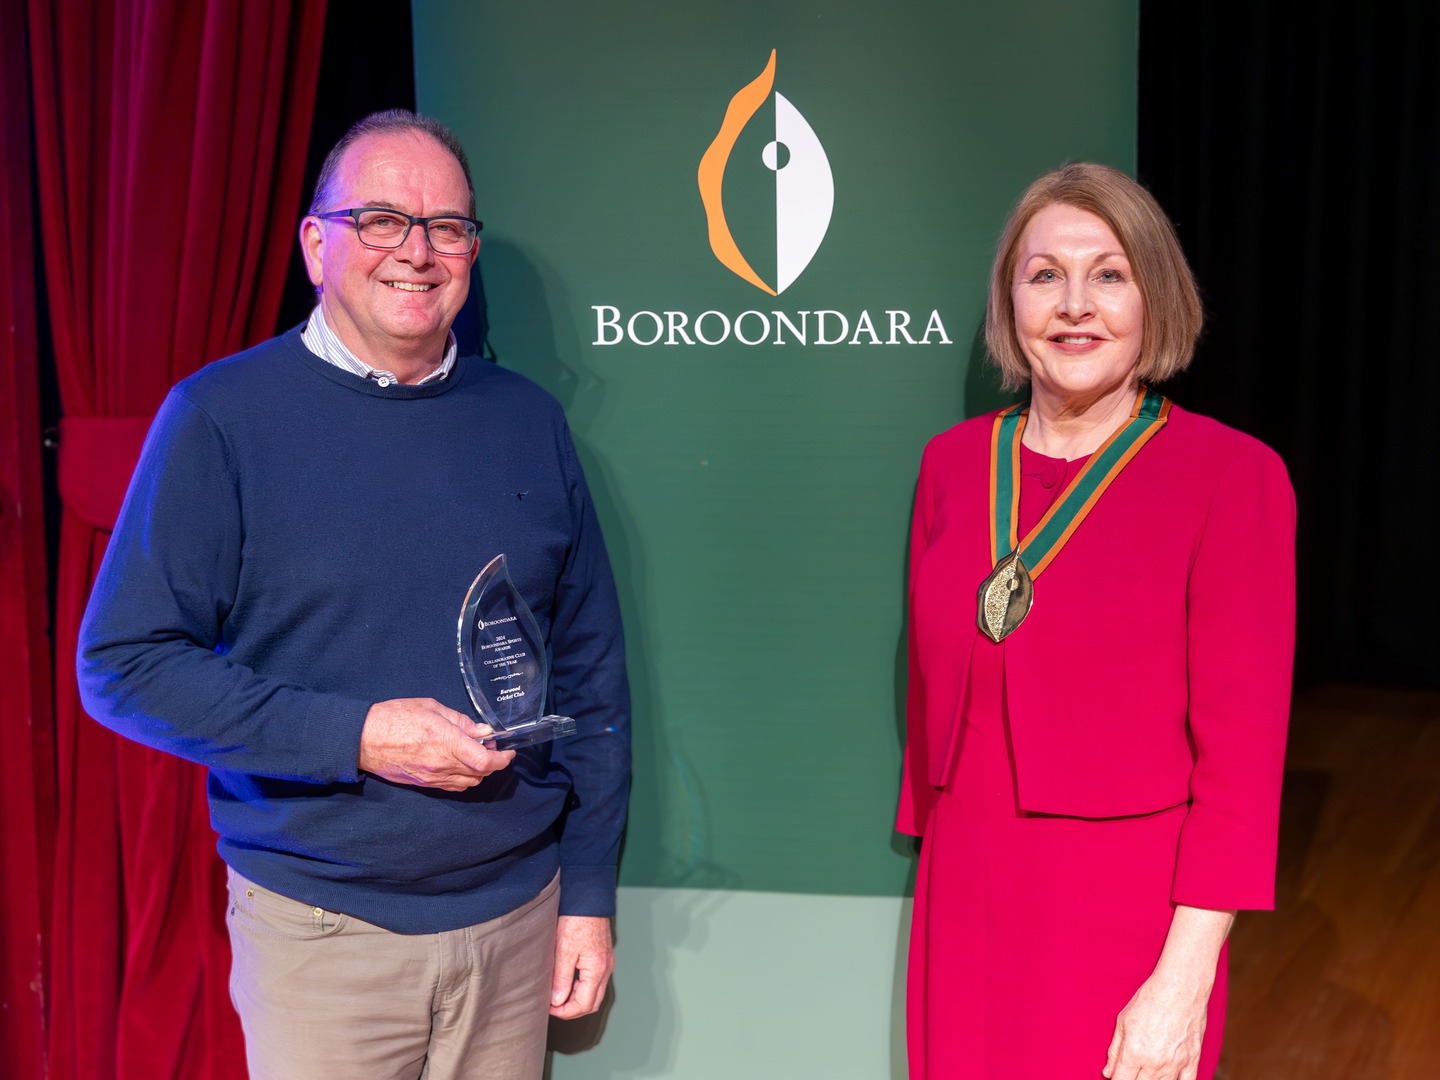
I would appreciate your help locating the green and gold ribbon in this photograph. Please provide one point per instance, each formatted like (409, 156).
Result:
(1005, 595)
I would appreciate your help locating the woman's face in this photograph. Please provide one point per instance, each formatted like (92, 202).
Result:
(1079, 316)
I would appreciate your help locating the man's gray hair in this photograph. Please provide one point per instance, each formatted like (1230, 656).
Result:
(388, 122)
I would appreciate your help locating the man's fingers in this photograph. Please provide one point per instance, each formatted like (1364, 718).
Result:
(586, 988)
(580, 996)
(584, 959)
(562, 982)
(422, 742)
(583, 1001)
(562, 979)
(468, 725)
(479, 758)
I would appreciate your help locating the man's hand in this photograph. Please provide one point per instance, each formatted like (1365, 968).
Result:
(419, 741)
(584, 959)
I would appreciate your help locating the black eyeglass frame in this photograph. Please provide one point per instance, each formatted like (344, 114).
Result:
(354, 212)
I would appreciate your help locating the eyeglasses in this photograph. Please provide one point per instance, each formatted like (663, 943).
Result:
(386, 230)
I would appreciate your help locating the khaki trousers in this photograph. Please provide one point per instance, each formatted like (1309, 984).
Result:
(324, 996)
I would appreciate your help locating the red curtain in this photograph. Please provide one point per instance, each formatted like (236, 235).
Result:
(27, 817)
(170, 140)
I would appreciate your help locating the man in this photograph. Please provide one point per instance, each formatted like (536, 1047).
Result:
(279, 603)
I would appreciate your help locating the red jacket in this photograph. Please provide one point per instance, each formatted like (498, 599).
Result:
(1154, 668)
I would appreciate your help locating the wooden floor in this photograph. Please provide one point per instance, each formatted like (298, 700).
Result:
(1342, 981)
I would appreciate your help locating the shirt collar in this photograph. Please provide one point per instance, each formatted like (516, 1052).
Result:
(326, 344)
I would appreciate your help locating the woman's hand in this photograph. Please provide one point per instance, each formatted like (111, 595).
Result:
(1159, 1033)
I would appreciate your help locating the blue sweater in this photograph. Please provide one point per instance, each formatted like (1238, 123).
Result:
(294, 547)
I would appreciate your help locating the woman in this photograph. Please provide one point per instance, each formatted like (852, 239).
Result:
(1096, 725)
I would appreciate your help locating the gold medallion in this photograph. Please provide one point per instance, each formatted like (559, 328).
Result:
(1004, 598)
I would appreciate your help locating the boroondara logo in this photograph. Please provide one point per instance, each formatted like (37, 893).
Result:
(804, 186)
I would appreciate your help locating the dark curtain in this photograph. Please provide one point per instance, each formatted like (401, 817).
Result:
(170, 143)
(27, 820)
(350, 91)
(1297, 147)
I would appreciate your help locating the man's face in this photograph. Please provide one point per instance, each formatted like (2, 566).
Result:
(398, 304)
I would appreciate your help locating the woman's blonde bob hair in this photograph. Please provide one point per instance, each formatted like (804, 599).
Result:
(1167, 288)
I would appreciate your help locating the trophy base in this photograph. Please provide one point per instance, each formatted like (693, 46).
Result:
(542, 730)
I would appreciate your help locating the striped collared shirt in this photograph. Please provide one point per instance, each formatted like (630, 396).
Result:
(323, 342)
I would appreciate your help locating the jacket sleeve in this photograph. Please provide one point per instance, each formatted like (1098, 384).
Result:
(152, 661)
(588, 676)
(1240, 641)
(916, 794)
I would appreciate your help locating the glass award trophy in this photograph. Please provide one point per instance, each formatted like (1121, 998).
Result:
(503, 661)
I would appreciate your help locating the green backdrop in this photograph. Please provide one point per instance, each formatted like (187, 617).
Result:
(755, 498)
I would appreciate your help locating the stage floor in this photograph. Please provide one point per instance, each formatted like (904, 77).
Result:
(1342, 982)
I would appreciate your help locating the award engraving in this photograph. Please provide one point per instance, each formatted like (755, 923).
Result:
(503, 662)
(1005, 598)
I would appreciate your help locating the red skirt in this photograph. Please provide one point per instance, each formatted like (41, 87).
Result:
(1031, 932)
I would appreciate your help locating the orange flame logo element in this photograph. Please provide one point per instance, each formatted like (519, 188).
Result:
(804, 186)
